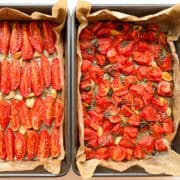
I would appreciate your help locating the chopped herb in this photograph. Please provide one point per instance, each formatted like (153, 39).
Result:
(119, 27)
(124, 43)
(88, 88)
(106, 114)
(88, 108)
(110, 92)
(89, 51)
(94, 42)
(162, 54)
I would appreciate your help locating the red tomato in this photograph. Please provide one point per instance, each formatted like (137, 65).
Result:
(134, 120)
(129, 80)
(138, 153)
(117, 153)
(103, 88)
(96, 73)
(89, 134)
(164, 89)
(162, 39)
(112, 55)
(137, 90)
(160, 146)
(86, 65)
(87, 97)
(168, 126)
(166, 63)
(147, 143)
(138, 103)
(106, 140)
(125, 48)
(149, 114)
(129, 154)
(126, 142)
(157, 130)
(114, 119)
(130, 132)
(104, 44)
(155, 74)
(126, 111)
(86, 34)
(143, 72)
(159, 105)
(100, 59)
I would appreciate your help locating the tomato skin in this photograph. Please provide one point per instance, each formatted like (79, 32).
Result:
(36, 78)
(44, 145)
(166, 63)
(134, 120)
(15, 38)
(26, 48)
(96, 74)
(86, 35)
(138, 103)
(5, 37)
(25, 84)
(149, 114)
(49, 37)
(15, 73)
(138, 153)
(162, 39)
(147, 143)
(35, 37)
(100, 59)
(143, 72)
(117, 153)
(20, 146)
(37, 113)
(48, 110)
(126, 49)
(155, 74)
(130, 132)
(58, 112)
(46, 70)
(86, 65)
(103, 88)
(125, 110)
(5, 113)
(160, 146)
(160, 106)
(168, 126)
(5, 78)
(9, 144)
(137, 90)
(56, 74)
(32, 144)
(2, 146)
(104, 44)
(126, 142)
(106, 140)
(90, 134)
(15, 121)
(55, 144)
(157, 130)
(164, 89)
(112, 55)
(129, 154)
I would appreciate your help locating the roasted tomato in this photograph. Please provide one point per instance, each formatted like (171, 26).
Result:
(86, 65)
(160, 104)
(165, 62)
(112, 55)
(147, 143)
(15, 73)
(46, 70)
(9, 144)
(168, 126)
(130, 132)
(126, 111)
(48, 110)
(104, 44)
(25, 84)
(164, 88)
(35, 36)
(117, 153)
(100, 59)
(32, 144)
(44, 145)
(134, 120)
(26, 48)
(15, 39)
(56, 75)
(49, 37)
(138, 153)
(58, 112)
(55, 144)
(160, 146)
(149, 114)
(5, 113)
(20, 146)
(103, 88)
(5, 37)
(15, 120)
(96, 73)
(2, 146)
(36, 78)
(37, 113)
(157, 130)
(125, 48)
(86, 35)
(106, 140)
(5, 77)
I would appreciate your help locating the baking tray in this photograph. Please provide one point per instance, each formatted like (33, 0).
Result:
(134, 9)
(65, 164)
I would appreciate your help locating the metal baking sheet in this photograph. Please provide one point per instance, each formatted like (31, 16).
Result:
(65, 164)
(138, 10)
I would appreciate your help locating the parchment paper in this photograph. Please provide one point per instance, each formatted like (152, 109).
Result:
(168, 162)
(58, 15)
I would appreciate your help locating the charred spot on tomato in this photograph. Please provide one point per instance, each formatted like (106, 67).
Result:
(124, 43)
(110, 92)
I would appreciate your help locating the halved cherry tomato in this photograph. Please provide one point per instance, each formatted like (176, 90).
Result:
(117, 153)
(164, 89)
(168, 126)
(130, 132)
(160, 146)
(104, 44)
(134, 120)
(126, 111)
(149, 114)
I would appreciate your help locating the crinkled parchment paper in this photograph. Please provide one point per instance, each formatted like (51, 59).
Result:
(169, 162)
(58, 15)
